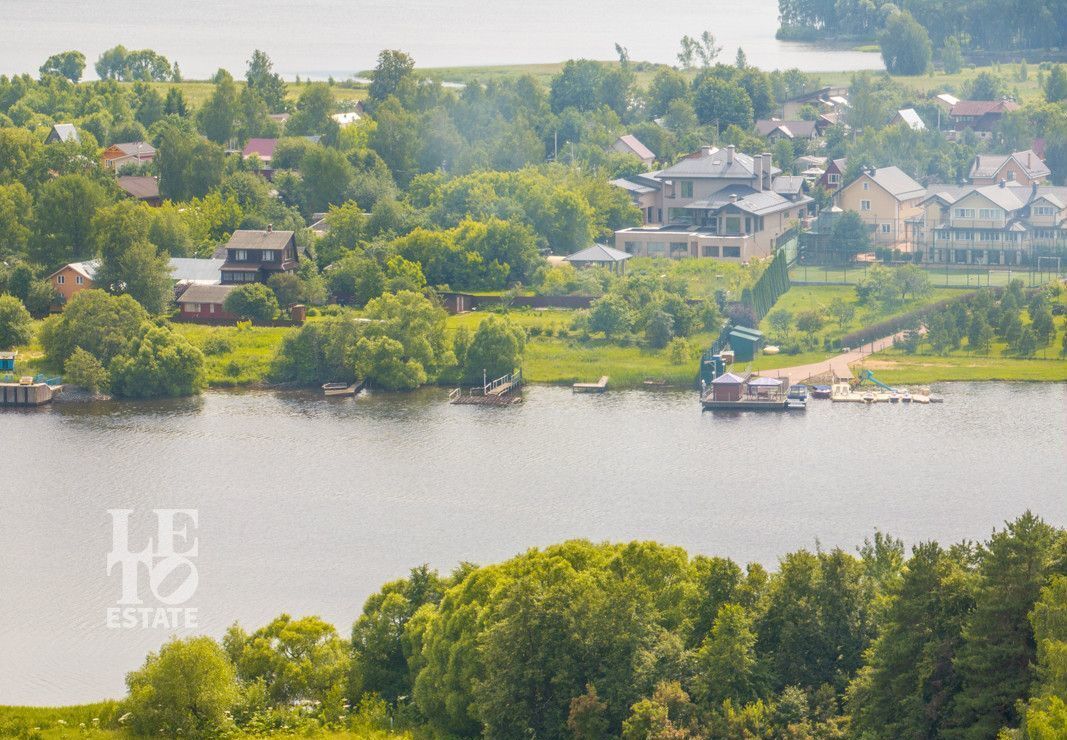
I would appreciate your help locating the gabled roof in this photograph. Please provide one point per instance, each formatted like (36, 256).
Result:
(749, 200)
(633, 187)
(197, 293)
(1007, 198)
(263, 148)
(185, 269)
(896, 182)
(728, 379)
(86, 269)
(259, 239)
(1052, 200)
(65, 132)
(634, 145)
(988, 165)
(788, 184)
(911, 119)
(982, 107)
(948, 99)
(140, 186)
(135, 148)
(791, 129)
(599, 253)
(764, 381)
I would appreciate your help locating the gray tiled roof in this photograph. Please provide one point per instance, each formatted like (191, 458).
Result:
(195, 270)
(897, 183)
(259, 239)
(198, 293)
(713, 163)
(987, 165)
(599, 253)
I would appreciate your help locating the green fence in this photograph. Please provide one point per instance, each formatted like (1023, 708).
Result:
(773, 283)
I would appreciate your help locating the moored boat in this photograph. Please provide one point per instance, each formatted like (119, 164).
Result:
(821, 391)
(341, 389)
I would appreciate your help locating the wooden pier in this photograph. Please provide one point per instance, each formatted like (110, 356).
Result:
(598, 387)
(504, 391)
(27, 392)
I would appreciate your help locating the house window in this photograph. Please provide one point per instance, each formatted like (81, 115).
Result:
(269, 255)
(240, 255)
(865, 205)
(1011, 175)
(60, 279)
(964, 213)
(211, 308)
(988, 214)
(79, 280)
(630, 247)
(687, 188)
(192, 308)
(655, 249)
(833, 178)
(886, 228)
(648, 215)
(733, 225)
(731, 251)
(711, 251)
(866, 185)
(679, 249)
(1044, 211)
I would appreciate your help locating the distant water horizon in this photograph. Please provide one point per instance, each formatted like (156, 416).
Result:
(318, 39)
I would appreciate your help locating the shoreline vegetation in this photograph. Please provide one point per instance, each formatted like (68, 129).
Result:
(640, 640)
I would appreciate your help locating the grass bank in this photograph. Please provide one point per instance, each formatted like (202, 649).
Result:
(235, 357)
(939, 277)
(197, 92)
(893, 366)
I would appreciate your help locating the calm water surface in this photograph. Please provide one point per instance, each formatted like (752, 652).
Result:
(308, 505)
(338, 37)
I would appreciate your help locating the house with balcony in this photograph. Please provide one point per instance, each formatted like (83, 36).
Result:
(993, 225)
(886, 199)
(253, 255)
(1018, 168)
(715, 203)
(981, 116)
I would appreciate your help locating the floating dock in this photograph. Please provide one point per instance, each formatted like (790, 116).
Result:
(504, 391)
(598, 387)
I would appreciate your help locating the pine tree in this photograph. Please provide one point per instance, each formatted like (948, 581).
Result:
(995, 659)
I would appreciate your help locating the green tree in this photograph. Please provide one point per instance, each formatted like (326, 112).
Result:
(496, 349)
(660, 328)
(1046, 712)
(296, 659)
(728, 667)
(667, 86)
(312, 114)
(189, 167)
(186, 690)
(393, 73)
(85, 371)
(111, 65)
(587, 718)
(906, 48)
(218, 115)
(810, 321)
(985, 86)
(16, 324)
(611, 315)
(850, 235)
(101, 324)
(159, 364)
(1056, 84)
(139, 271)
(356, 279)
(63, 214)
(254, 301)
(327, 176)
(780, 320)
(721, 102)
(995, 660)
(979, 334)
(406, 344)
(69, 64)
(842, 310)
(265, 82)
(952, 55)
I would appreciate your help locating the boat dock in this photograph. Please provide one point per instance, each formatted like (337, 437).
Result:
(503, 391)
(28, 392)
(598, 387)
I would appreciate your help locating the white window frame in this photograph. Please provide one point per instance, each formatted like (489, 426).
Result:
(865, 205)
(61, 279)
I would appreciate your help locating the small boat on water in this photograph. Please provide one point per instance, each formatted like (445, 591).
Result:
(797, 398)
(905, 397)
(894, 397)
(342, 389)
(821, 391)
(868, 397)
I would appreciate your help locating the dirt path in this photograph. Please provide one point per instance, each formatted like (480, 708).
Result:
(837, 365)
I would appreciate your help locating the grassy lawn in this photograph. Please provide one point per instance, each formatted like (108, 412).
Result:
(806, 297)
(248, 357)
(60, 723)
(940, 81)
(893, 366)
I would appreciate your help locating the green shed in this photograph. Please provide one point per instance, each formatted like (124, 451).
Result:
(745, 342)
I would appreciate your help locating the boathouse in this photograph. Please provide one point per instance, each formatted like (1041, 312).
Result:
(727, 387)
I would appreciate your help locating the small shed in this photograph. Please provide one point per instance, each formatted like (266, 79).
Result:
(727, 387)
(745, 342)
(7, 362)
(599, 255)
(763, 386)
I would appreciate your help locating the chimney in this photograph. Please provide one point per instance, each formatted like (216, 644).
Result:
(270, 228)
(733, 197)
(1003, 183)
(766, 157)
(730, 154)
(757, 171)
(977, 160)
(707, 151)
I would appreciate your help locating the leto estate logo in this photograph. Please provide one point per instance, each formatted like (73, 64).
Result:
(165, 565)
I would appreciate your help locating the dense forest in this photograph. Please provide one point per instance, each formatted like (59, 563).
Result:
(1011, 25)
(644, 641)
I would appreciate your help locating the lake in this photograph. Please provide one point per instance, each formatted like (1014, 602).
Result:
(319, 38)
(308, 505)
